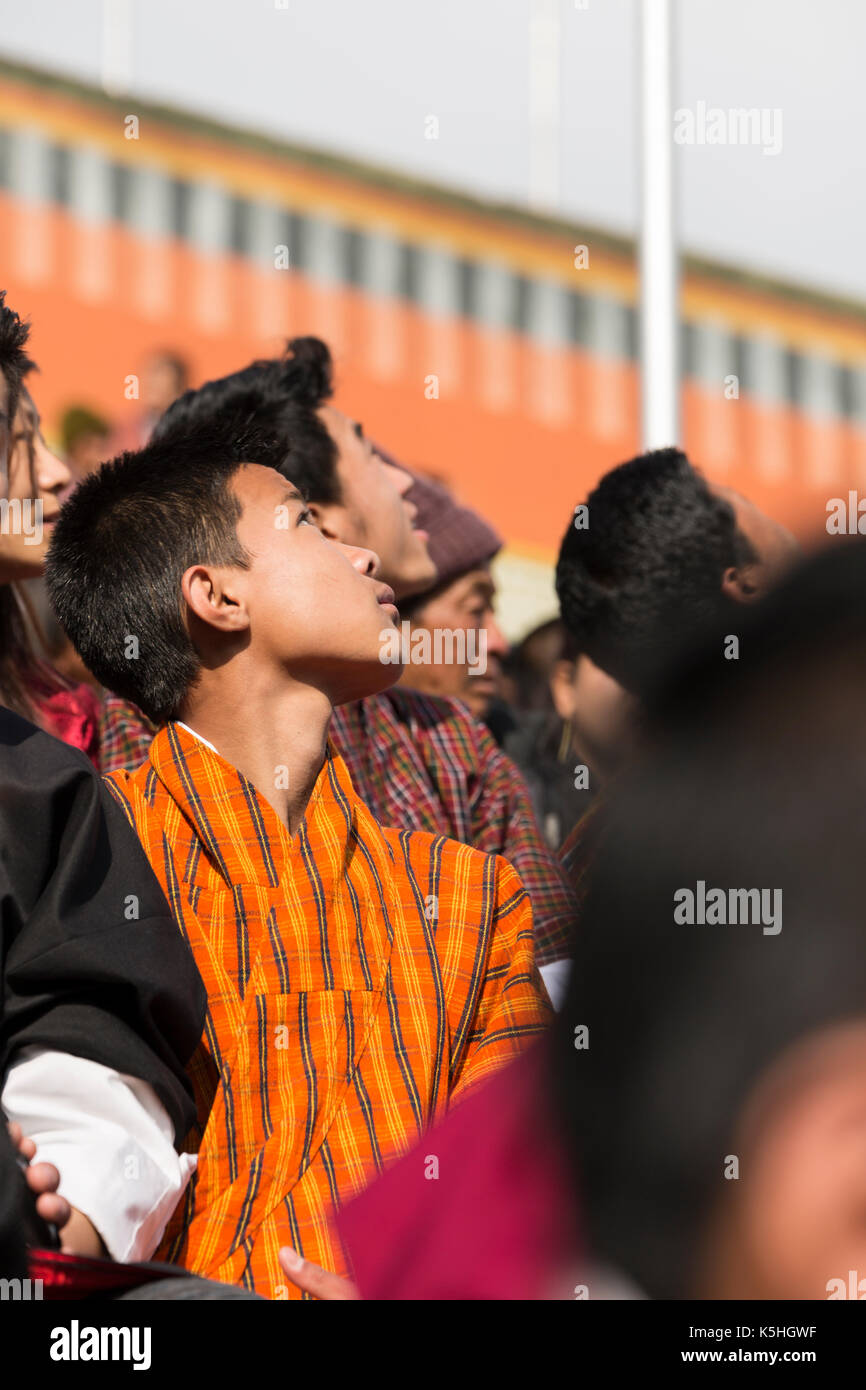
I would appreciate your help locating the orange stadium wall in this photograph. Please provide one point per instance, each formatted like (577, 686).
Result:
(483, 433)
(522, 423)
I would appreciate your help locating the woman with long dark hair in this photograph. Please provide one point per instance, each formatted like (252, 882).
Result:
(29, 684)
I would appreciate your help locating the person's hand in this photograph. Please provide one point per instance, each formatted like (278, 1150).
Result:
(78, 1234)
(332, 1288)
(43, 1179)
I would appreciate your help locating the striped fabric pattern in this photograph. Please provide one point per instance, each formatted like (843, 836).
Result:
(360, 982)
(420, 763)
(578, 851)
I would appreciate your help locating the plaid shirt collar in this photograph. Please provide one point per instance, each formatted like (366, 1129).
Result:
(210, 793)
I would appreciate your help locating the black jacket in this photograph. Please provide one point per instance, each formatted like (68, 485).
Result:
(91, 960)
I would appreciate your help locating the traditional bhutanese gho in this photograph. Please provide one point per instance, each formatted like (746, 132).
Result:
(360, 981)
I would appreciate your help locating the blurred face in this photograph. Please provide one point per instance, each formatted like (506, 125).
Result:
(32, 500)
(603, 715)
(374, 512)
(307, 607)
(775, 547)
(792, 1226)
(88, 454)
(465, 605)
(162, 384)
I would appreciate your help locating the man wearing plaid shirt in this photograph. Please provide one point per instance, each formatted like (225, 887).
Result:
(419, 763)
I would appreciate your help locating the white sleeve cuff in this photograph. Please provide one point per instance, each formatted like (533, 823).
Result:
(556, 976)
(111, 1140)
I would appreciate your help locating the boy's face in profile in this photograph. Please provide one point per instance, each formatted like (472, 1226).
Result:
(374, 511)
(313, 605)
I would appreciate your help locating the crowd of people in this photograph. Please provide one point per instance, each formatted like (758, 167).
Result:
(343, 946)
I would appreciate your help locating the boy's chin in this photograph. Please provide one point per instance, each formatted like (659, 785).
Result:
(371, 681)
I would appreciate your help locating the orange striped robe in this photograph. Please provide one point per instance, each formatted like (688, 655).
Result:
(359, 979)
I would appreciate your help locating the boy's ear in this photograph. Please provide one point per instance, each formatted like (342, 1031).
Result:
(211, 594)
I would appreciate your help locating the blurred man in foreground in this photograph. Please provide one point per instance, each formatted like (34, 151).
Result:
(716, 1115)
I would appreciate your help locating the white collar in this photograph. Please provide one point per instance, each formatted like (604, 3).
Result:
(198, 736)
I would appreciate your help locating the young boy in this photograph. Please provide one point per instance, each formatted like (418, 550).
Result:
(416, 760)
(360, 979)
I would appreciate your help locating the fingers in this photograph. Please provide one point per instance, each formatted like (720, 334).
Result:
(25, 1147)
(54, 1208)
(318, 1282)
(42, 1177)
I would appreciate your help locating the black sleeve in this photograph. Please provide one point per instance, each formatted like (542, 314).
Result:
(13, 1256)
(92, 961)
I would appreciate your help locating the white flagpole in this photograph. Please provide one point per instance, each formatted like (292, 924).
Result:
(117, 30)
(659, 322)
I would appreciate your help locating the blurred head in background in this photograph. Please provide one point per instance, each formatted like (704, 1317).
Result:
(655, 553)
(531, 666)
(84, 438)
(164, 378)
(717, 1117)
(453, 629)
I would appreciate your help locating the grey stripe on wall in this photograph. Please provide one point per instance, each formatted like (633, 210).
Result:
(90, 185)
(150, 202)
(324, 248)
(30, 165)
(209, 218)
(380, 263)
(608, 327)
(156, 204)
(765, 369)
(548, 313)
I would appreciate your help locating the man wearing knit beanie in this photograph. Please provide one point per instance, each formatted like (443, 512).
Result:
(455, 645)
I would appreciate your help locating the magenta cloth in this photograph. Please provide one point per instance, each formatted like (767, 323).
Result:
(71, 714)
(499, 1221)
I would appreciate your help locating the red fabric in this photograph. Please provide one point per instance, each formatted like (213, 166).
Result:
(498, 1222)
(67, 1276)
(71, 714)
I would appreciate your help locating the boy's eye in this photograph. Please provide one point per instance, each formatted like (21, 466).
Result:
(305, 515)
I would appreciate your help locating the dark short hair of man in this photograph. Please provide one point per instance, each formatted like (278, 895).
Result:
(646, 572)
(280, 397)
(120, 547)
